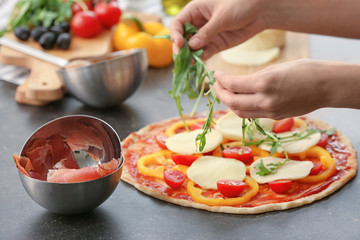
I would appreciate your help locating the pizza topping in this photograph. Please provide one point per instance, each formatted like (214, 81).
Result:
(185, 143)
(324, 139)
(160, 140)
(238, 152)
(289, 169)
(327, 162)
(316, 169)
(184, 159)
(230, 126)
(153, 165)
(207, 170)
(230, 188)
(293, 142)
(174, 178)
(280, 186)
(197, 195)
(283, 125)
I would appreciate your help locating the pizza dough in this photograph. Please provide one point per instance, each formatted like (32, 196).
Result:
(338, 162)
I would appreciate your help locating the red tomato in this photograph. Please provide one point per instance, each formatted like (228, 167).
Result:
(160, 140)
(283, 125)
(280, 186)
(197, 125)
(184, 159)
(237, 153)
(230, 188)
(86, 24)
(75, 7)
(323, 140)
(108, 14)
(174, 178)
(316, 168)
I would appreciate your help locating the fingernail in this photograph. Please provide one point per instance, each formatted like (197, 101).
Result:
(195, 43)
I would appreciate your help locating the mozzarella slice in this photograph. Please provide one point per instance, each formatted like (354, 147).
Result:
(230, 125)
(267, 39)
(239, 56)
(295, 146)
(290, 170)
(184, 143)
(207, 170)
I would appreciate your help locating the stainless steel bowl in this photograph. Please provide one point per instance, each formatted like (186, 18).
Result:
(108, 81)
(85, 135)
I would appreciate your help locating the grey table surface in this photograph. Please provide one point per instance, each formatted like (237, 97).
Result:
(129, 214)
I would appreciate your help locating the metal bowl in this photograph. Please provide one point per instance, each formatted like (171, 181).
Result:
(108, 81)
(85, 135)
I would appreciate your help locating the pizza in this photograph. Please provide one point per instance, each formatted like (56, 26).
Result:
(245, 167)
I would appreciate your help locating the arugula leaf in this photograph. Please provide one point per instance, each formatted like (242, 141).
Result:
(189, 74)
(263, 171)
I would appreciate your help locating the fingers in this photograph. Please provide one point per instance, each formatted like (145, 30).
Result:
(243, 102)
(237, 84)
(205, 34)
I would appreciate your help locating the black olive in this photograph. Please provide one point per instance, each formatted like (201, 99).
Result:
(65, 26)
(22, 33)
(56, 29)
(37, 32)
(63, 41)
(47, 40)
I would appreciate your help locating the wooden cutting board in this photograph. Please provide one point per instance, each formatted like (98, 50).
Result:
(43, 85)
(296, 47)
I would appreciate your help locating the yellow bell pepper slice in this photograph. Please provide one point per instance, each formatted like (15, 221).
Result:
(181, 168)
(196, 195)
(157, 158)
(171, 130)
(327, 162)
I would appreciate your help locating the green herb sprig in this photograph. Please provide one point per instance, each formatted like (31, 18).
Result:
(189, 75)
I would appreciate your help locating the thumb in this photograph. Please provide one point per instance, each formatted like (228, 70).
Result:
(204, 34)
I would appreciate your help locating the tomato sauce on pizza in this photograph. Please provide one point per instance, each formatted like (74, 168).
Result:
(146, 160)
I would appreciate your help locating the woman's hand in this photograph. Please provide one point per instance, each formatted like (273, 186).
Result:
(290, 89)
(222, 24)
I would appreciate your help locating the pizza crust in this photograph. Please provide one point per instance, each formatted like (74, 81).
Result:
(352, 161)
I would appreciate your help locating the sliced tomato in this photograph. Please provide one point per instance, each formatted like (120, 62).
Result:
(280, 186)
(197, 125)
(230, 188)
(316, 168)
(184, 159)
(174, 178)
(160, 140)
(283, 125)
(323, 140)
(237, 153)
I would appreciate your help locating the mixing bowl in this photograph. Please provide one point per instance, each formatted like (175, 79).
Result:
(99, 82)
(108, 81)
(92, 141)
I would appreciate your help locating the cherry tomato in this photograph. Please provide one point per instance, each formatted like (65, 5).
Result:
(280, 186)
(108, 14)
(283, 125)
(75, 7)
(184, 159)
(316, 168)
(86, 24)
(174, 178)
(237, 153)
(323, 140)
(160, 140)
(230, 188)
(197, 125)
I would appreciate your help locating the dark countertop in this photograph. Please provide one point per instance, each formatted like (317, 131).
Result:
(129, 214)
